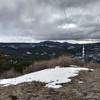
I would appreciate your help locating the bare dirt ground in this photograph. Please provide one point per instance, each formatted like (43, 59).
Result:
(86, 86)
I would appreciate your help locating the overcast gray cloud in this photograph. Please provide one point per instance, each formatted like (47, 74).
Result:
(29, 20)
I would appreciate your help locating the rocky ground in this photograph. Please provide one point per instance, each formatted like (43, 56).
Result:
(86, 86)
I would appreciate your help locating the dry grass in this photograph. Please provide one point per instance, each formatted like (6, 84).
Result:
(92, 64)
(8, 74)
(63, 61)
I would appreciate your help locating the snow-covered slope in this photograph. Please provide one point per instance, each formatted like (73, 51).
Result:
(52, 77)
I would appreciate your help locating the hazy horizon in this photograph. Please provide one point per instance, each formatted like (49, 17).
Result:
(84, 41)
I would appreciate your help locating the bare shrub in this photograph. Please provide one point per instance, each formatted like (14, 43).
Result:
(63, 61)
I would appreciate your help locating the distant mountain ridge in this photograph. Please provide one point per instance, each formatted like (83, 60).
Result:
(50, 49)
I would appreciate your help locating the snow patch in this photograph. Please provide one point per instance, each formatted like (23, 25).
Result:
(80, 82)
(53, 77)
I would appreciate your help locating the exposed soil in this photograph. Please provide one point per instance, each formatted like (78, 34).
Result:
(86, 86)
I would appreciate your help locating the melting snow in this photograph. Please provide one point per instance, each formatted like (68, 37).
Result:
(52, 77)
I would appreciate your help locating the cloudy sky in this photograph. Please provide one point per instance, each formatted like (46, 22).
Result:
(33, 20)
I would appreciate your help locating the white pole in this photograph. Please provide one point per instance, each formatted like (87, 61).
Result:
(83, 53)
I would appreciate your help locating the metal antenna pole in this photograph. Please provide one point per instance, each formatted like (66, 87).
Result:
(83, 53)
